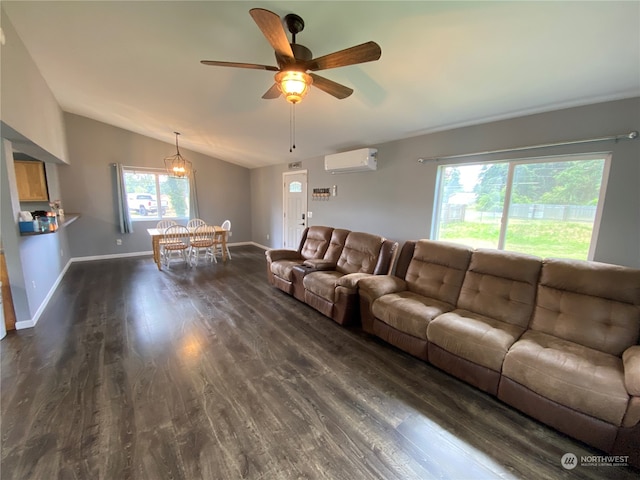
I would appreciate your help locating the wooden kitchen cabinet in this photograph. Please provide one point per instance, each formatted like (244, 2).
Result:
(31, 180)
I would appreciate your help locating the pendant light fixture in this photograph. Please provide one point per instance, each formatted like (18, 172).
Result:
(176, 165)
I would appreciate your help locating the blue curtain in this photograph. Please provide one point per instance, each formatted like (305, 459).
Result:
(194, 212)
(123, 207)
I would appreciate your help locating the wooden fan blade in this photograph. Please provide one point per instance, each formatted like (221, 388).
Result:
(271, 27)
(253, 66)
(273, 92)
(366, 52)
(331, 87)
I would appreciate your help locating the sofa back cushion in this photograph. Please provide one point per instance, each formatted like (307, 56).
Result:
(360, 253)
(590, 303)
(316, 242)
(336, 244)
(501, 285)
(437, 269)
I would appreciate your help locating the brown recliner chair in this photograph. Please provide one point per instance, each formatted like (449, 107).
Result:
(398, 308)
(314, 244)
(327, 262)
(334, 292)
(492, 312)
(577, 367)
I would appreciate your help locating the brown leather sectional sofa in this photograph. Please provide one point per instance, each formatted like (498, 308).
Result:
(557, 339)
(325, 270)
(554, 338)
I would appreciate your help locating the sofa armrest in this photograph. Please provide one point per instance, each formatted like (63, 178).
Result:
(631, 365)
(376, 286)
(351, 280)
(319, 264)
(276, 254)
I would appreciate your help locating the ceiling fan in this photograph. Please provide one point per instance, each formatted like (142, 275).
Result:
(294, 60)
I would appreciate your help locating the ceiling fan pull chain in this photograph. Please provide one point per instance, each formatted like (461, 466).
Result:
(293, 113)
(292, 128)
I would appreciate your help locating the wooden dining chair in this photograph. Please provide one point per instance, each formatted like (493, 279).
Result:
(175, 240)
(202, 240)
(195, 222)
(226, 226)
(162, 225)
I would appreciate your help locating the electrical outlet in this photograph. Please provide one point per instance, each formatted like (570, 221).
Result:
(309, 214)
(62, 253)
(33, 283)
(118, 241)
(267, 236)
(231, 234)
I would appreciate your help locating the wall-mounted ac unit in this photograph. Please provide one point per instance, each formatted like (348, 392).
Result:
(361, 160)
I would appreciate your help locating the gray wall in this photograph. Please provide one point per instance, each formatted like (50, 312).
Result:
(31, 116)
(397, 200)
(32, 123)
(34, 263)
(87, 187)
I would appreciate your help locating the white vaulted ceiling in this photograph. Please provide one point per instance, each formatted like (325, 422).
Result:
(136, 65)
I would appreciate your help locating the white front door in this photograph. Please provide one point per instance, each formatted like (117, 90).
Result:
(294, 207)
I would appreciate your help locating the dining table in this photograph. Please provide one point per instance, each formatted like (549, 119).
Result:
(157, 233)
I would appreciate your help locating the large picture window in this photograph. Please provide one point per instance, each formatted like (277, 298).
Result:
(546, 207)
(152, 194)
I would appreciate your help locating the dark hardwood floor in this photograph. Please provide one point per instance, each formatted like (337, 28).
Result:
(210, 373)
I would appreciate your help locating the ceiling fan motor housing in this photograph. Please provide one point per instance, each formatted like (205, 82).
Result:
(294, 60)
(295, 24)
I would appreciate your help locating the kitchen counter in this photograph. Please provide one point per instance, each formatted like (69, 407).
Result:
(63, 222)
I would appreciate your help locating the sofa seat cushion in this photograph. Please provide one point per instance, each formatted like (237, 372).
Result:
(578, 377)
(474, 337)
(322, 283)
(283, 268)
(408, 312)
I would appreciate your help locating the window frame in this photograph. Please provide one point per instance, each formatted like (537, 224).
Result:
(512, 164)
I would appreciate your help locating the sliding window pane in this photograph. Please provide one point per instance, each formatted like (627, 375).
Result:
(141, 194)
(175, 196)
(553, 208)
(471, 204)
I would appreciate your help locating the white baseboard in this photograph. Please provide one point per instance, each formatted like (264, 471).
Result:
(259, 245)
(110, 256)
(32, 322)
(21, 325)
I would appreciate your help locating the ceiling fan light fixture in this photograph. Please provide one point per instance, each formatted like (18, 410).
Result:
(293, 84)
(176, 165)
